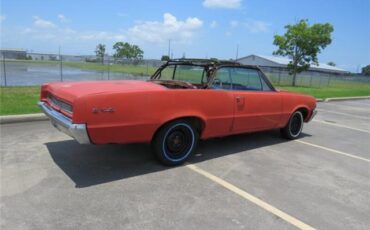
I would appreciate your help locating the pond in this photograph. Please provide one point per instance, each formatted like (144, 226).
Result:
(23, 74)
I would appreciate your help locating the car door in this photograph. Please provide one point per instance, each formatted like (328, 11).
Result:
(257, 105)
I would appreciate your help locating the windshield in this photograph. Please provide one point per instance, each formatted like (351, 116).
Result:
(189, 73)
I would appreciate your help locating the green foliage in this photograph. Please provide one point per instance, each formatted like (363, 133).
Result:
(301, 43)
(126, 50)
(165, 58)
(332, 63)
(366, 70)
(100, 52)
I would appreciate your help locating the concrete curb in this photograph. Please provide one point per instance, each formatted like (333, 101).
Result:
(42, 117)
(346, 98)
(23, 118)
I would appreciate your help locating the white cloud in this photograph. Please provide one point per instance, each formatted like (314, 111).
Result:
(62, 18)
(234, 24)
(2, 18)
(228, 4)
(141, 32)
(228, 34)
(169, 28)
(213, 24)
(255, 26)
(67, 34)
(41, 23)
(100, 36)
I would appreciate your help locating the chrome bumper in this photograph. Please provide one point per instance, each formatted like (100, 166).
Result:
(65, 125)
(314, 112)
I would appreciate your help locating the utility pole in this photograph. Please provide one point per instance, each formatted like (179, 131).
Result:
(61, 65)
(237, 52)
(169, 47)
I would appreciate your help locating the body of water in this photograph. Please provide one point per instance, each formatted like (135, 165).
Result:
(23, 74)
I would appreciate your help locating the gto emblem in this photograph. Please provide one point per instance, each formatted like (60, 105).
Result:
(102, 110)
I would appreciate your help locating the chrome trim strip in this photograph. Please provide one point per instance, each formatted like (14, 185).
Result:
(314, 112)
(65, 125)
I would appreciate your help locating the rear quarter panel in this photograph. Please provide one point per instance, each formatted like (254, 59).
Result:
(138, 115)
(294, 101)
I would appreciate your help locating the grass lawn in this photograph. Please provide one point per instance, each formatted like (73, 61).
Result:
(19, 100)
(23, 99)
(349, 90)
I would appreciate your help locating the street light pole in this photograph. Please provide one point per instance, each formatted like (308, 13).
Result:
(169, 47)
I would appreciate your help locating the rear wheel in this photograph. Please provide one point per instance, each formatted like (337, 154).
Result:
(294, 127)
(175, 142)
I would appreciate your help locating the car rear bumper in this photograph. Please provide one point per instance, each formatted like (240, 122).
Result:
(65, 125)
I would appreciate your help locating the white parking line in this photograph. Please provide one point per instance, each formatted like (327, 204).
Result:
(334, 151)
(341, 126)
(345, 114)
(277, 212)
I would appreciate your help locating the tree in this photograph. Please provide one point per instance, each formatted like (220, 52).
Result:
(126, 50)
(136, 52)
(165, 58)
(332, 63)
(100, 52)
(366, 70)
(301, 43)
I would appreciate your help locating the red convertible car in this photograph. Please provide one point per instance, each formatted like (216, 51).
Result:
(185, 100)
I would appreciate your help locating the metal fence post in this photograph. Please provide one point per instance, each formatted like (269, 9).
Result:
(147, 68)
(4, 70)
(108, 67)
(61, 67)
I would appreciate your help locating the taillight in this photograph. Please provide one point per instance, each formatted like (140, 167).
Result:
(64, 106)
(44, 92)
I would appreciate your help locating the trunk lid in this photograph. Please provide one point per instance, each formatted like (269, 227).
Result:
(69, 91)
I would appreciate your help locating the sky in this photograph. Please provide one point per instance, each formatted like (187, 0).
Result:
(196, 28)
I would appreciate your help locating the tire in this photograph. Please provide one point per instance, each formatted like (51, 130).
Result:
(294, 127)
(175, 142)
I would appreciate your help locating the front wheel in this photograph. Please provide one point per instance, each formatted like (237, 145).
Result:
(294, 127)
(175, 142)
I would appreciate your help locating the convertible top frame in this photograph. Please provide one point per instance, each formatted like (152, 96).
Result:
(211, 66)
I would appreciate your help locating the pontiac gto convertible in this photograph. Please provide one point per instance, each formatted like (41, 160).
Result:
(185, 100)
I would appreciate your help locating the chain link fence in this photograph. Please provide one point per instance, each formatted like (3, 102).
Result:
(281, 77)
(38, 68)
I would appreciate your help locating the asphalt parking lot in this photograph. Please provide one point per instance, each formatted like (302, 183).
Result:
(255, 181)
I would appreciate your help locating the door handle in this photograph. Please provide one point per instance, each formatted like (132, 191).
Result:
(239, 99)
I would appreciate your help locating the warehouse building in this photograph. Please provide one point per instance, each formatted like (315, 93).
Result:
(279, 64)
(13, 53)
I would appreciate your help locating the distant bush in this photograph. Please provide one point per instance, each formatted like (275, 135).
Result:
(94, 60)
(366, 70)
